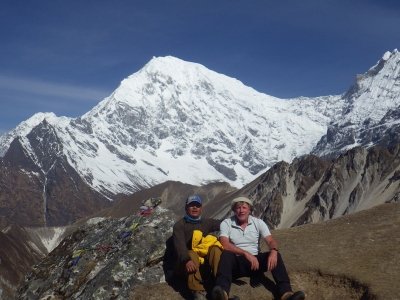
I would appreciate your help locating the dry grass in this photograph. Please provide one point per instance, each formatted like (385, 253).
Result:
(362, 249)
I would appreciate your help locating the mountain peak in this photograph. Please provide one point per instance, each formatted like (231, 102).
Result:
(389, 54)
(178, 120)
(23, 129)
(372, 104)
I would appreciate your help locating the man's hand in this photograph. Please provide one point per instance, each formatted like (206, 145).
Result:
(190, 267)
(253, 261)
(273, 254)
(238, 251)
(272, 260)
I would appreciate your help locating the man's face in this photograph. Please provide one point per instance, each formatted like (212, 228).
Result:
(242, 211)
(193, 210)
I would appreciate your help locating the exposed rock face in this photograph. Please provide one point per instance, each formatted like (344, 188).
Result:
(41, 188)
(311, 190)
(18, 251)
(117, 262)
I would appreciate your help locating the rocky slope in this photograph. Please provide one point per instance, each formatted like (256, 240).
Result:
(43, 189)
(20, 249)
(308, 190)
(103, 259)
(311, 190)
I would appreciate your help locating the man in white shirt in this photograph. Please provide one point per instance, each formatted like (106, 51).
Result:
(239, 235)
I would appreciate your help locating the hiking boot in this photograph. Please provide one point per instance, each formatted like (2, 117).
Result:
(293, 296)
(199, 295)
(218, 293)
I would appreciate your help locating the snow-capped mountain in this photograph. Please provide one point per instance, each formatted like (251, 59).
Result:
(372, 113)
(176, 120)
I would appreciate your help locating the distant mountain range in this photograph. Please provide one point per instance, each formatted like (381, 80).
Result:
(309, 190)
(179, 121)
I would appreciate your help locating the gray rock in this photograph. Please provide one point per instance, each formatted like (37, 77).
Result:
(116, 257)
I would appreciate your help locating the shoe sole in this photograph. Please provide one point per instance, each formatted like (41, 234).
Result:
(218, 294)
(298, 296)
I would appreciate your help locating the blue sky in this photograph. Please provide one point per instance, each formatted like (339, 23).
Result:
(66, 56)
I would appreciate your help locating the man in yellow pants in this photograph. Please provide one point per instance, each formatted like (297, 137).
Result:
(188, 261)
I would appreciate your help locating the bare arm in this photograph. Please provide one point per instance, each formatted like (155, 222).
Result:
(273, 255)
(238, 251)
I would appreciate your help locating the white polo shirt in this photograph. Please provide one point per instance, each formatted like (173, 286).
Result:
(247, 239)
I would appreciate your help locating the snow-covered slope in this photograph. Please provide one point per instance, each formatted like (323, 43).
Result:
(175, 120)
(372, 112)
(22, 130)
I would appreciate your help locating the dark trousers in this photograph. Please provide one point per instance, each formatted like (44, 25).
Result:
(230, 264)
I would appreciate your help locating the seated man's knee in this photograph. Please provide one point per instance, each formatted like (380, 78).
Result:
(226, 254)
(194, 257)
(215, 251)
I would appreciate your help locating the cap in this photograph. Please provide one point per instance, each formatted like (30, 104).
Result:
(241, 199)
(193, 198)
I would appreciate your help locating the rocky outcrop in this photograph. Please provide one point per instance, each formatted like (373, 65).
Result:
(113, 256)
(311, 190)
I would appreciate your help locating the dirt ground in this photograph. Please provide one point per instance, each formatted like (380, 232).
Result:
(356, 256)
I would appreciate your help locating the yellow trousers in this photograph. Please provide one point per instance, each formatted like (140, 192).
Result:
(194, 280)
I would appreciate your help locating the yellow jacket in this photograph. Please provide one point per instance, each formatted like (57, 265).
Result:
(201, 244)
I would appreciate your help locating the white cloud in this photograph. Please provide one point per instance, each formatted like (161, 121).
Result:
(51, 89)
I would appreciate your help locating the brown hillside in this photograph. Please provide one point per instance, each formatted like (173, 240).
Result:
(173, 195)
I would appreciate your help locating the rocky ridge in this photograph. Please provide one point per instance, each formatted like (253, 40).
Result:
(371, 116)
(111, 263)
(310, 190)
